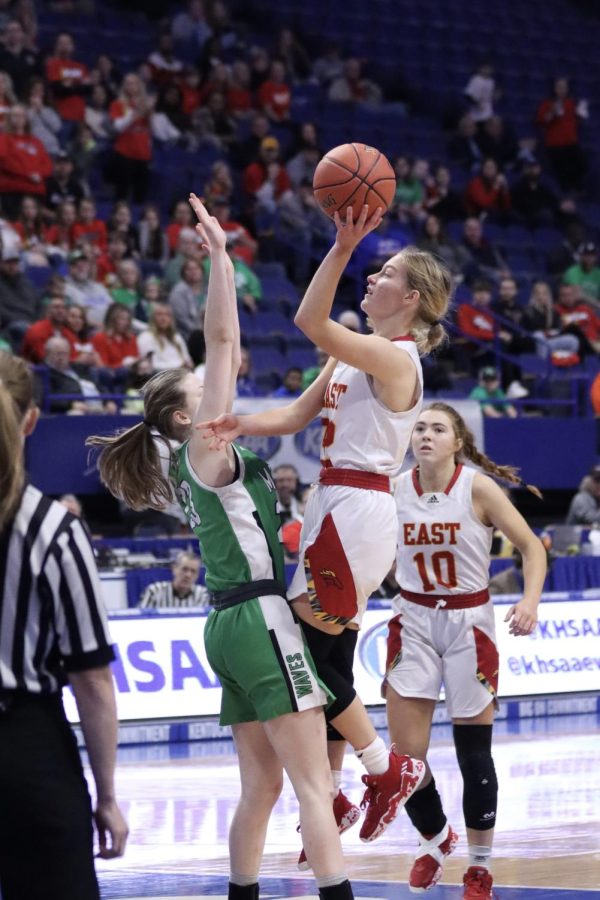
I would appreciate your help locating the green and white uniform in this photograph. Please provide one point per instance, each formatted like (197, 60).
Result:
(256, 647)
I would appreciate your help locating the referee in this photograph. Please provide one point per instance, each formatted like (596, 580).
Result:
(53, 630)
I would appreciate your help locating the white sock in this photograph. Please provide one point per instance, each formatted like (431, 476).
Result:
(375, 757)
(336, 775)
(243, 880)
(480, 856)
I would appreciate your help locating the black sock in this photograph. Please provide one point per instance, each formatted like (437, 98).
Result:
(242, 891)
(341, 891)
(424, 809)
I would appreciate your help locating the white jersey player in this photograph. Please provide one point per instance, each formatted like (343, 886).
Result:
(443, 630)
(368, 401)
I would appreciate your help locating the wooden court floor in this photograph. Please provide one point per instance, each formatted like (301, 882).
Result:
(179, 801)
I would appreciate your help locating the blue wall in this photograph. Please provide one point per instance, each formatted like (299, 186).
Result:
(551, 453)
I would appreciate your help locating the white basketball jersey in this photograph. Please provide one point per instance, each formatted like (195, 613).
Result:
(443, 547)
(359, 431)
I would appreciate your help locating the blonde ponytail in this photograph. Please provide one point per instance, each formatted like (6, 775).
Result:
(16, 397)
(426, 274)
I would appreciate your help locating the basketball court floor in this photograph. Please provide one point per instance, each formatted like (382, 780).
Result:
(179, 800)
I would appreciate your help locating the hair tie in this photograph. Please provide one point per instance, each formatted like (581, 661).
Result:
(434, 323)
(147, 423)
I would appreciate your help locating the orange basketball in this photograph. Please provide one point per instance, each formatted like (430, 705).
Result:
(352, 175)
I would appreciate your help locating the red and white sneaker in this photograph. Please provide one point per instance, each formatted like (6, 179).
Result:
(346, 815)
(429, 862)
(386, 794)
(478, 884)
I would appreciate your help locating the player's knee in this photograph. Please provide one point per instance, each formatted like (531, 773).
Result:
(480, 796)
(263, 793)
(344, 695)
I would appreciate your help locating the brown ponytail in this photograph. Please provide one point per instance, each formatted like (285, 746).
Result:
(470, 452)
(129, 461)
(16, 397)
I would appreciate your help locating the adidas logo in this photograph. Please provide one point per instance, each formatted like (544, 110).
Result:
(433, 499)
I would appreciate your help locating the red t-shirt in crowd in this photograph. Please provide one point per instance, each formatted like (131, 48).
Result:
(105, 266)
(255, 176)
(93, 232)
(277, 97)
(59, 71)
(113, 349)
(238, 100)
(24, 164)
(38, 334)
(559, 131)
(135, 142)
(475, 322)
(481, 196)
(581, 315)
(60, 236)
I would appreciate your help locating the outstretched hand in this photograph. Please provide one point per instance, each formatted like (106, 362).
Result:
(522, 617)
(212, 235)
(351, 233)
(220, 431)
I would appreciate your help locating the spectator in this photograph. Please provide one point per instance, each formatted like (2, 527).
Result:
(488, 193)
(309, 375)
(187, 299)
(188, 247)
(350, 320)
(83, 290)
(434, 240)
(116, 251)
(301, 167)
(62, 184)
(292, 383)
(274, 95)
(151, 239)
(60, 236)
(245, 385)
(24, 162)
(7, 97)
(491, 397)
(213, 123)
(130, 115)
(476, 323)
(161, 342)
(509, 581)
(578, 318)
(329, 66)
(120, 223)
(169, 110)
(62, 378)
(300, 222)
(584, 508)
(117, 344)
(410, 192)
(289, 507)
(96, 113)
(481, 93)
(32, 232)
(260, 64)
(585, 274)
(183, 591)
(191, 27)
(78, 325)
(220, 183)
(542, 320)
(38, 334)
(68, 79)
(266, 180)
(440, 198)
(562, 256)
(532, 200)
(351, 87)
(107, 74)
(293, 55)
(498, 142)
(20, 62)
(44, 122)
(19, 304)
(181, 217)
(240, 242)
(89, 228)
(249, 149)
(239, 101)
(463, 147)
(165, 66)
(483, 259)
(128, 290)
(558, 116)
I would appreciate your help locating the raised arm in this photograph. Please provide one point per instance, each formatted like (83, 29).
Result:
(494, 507)
(370, 353)
(221, 334)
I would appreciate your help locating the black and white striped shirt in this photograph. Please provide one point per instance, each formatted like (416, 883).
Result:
(160, 594)
(52, 619)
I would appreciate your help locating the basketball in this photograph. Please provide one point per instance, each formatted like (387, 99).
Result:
(352, 175)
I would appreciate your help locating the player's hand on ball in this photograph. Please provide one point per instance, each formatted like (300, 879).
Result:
(349, 232)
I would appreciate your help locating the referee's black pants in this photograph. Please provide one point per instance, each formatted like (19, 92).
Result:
(46, 834)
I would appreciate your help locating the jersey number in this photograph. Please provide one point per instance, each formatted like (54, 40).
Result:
(444, 570)
(328, 432)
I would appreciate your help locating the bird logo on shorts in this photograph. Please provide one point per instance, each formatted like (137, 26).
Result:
(331, 579)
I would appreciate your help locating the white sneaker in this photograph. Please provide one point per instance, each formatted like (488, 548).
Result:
(516, 391)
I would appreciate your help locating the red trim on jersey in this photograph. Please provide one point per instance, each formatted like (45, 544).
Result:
(394, 642)
(447, 489)
(454, 478)
(326, 464)
(487, 660)
(331, 574)
(356, 478)
(403, 337)
(451, 601)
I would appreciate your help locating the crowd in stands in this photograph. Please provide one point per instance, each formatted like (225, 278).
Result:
(103, 278)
